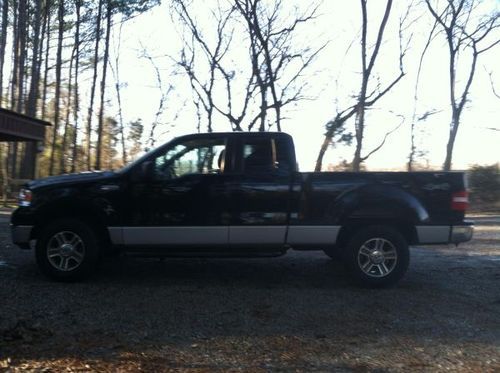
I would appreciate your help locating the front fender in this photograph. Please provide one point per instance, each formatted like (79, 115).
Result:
(68, 201)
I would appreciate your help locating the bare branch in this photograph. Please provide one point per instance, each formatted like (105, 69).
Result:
(384, 139)
(493, 89)
(380, 34)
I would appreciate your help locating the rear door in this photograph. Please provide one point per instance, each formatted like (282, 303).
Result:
(259, 192)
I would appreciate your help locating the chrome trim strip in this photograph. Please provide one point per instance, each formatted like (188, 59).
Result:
(433, 233)
(251, 235)
(312, 234)
(216, 235)
(21, 233)
(175, 235)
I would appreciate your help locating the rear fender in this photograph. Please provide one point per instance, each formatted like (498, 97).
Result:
(378, 205)
(378, 202)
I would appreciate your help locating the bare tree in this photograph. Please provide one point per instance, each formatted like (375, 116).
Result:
(115, 70)
(67, 124)
(164, 93)
(29, 156)
(274, 43)
(415, 117)
(94, 82)
(469, 37)
(35, 66)
(76, 93)
(100, 127)
(47, 19)
(366, 99)
(204, 89)
(22, 26)
(57, 109)
(277, 65)
(3, 42)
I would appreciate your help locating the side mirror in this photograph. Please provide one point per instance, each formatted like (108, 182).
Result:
(145, 172)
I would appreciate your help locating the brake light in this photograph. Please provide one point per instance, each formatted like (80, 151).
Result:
(460, 201)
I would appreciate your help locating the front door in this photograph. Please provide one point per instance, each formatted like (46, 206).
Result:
(183, 201)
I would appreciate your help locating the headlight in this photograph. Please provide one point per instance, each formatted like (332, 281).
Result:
(25, 197)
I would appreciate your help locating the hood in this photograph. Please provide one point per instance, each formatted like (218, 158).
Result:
(88, 176)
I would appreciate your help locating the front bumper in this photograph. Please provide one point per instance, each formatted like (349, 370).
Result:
(21, 235)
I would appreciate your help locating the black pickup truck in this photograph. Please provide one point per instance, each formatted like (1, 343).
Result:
(238, 194)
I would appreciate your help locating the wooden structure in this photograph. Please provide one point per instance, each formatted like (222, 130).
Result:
(15, 127)
(19, 127)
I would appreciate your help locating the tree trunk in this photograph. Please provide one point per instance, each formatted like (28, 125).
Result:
(119, 97)
(3, 43)
(60, 16)
(103, 87)
(94, 82)
(46, 63)
(35, 66)
(28, 168)
(324, 146)
(360, 128)
(76, 107)
(23, 31)
(451, 140)
(12, 151)
(68, 112)
(15, 58)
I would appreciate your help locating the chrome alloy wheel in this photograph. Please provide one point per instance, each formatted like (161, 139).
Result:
(377, 257)
(65, 251)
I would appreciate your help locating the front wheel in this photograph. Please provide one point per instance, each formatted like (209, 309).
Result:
(377, 256)
(67, 250)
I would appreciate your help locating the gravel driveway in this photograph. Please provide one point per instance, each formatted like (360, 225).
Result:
(298, 312)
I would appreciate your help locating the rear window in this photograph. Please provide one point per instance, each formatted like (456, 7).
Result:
(265, 155)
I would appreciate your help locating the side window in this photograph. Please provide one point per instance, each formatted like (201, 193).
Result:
(201, 156)
(257, 155)
(265, 155)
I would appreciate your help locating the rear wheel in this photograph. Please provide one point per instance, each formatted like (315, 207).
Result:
(377, 256)
(67, 250)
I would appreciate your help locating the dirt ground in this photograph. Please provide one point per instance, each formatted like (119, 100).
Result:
(298, 312)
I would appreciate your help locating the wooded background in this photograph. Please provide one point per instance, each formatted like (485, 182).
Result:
(56, 64)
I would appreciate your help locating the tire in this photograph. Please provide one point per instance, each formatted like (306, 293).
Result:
(67, 250)
(377, 256)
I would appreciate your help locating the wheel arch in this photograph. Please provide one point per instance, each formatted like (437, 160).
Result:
(347, 231)
(84, 214)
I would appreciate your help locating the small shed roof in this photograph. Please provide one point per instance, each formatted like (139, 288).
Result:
(20, 127)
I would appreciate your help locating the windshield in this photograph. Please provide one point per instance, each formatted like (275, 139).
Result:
(139, 160)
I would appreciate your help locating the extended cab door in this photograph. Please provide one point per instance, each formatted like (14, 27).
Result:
(260, 191)
(182, 201)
